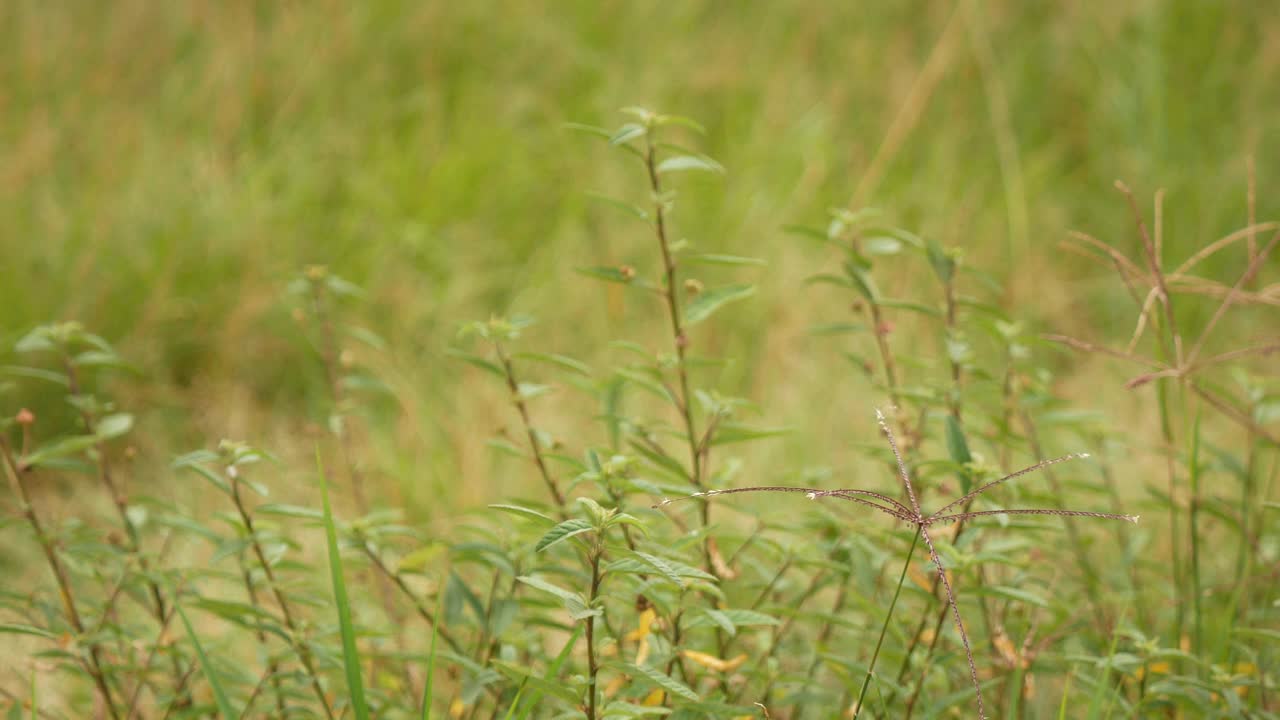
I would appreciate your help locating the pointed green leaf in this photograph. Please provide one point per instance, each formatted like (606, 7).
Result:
(562, 532)
(681, 163)
(709, 301)
(219, 694)
(350, 653)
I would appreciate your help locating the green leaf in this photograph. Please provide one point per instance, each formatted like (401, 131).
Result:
(529, 391)
(562, 361)
(477, 361)
(740, 618)
(862, 281)
(881, 245)
(944, 266)
(661, 679)
(36, 374)
(524, 511)
(958, 448)
(527, 679)
(627, 133)
(694, 125)
(681, 163)
(113, 426)
(715, 259)
(540, 584)
(350, 654)
(219, 694)
(61, 448)
(1013, 593)
(553, 672)
(608, 274)
(19, 629)
(562, 532)
(737, 432)
(709, 301)
(295, 511)
(431, 661)
(588, 129)
(663, 567)
(626, 207)
(911, 306)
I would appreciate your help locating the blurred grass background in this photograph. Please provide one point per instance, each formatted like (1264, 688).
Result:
(165, 168)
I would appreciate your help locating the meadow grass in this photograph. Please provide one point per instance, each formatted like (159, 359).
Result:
(270, 222)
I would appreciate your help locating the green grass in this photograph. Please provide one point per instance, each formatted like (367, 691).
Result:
(169, 171)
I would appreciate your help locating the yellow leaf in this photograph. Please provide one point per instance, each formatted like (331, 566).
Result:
(646, 623)
(642, 654)
(712, 662)
(615, 685)
(655, 699)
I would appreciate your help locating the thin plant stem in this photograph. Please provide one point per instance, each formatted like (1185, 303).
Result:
(304, 654)
(593, 667)
(535, 447)
(1193, 473)
(431, 618)
(884, 629)
(273, 667)
(19, 489)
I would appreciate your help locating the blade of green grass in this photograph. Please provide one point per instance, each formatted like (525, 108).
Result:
(219, 694)
(350, 655)
(552, 672)
(431, 659)
(1066, 693)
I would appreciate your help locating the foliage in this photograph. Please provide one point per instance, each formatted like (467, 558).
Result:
(601, 598)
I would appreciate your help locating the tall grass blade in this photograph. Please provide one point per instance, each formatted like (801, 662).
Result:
(350, 655)
(553, 671)
(219, 693)
(431, 659)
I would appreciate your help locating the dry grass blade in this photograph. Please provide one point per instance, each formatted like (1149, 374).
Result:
(1249, 274)
(1223, 242)
(1085, 346)
(1157, 271)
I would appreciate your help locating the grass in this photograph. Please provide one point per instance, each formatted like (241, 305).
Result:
(269, 223)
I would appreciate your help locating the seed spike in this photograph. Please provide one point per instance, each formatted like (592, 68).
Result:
(902, 467)
(937, 520)
(1029, 469)
(955, 611)
(851, 495)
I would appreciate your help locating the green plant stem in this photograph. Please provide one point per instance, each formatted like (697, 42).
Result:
(1073, 531)
(810, 590)
(535, 447)
(19, 490)
(593, 667)
(398, 581)
(330, 357)
(304, 654)
(156, 644)
(1196, 591)
(679, 338)
(884, 629)
(824, 635)
(273, 668)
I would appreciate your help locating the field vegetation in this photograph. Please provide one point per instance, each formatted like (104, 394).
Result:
(618, 360)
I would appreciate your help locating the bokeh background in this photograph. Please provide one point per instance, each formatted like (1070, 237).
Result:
(166, 168)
